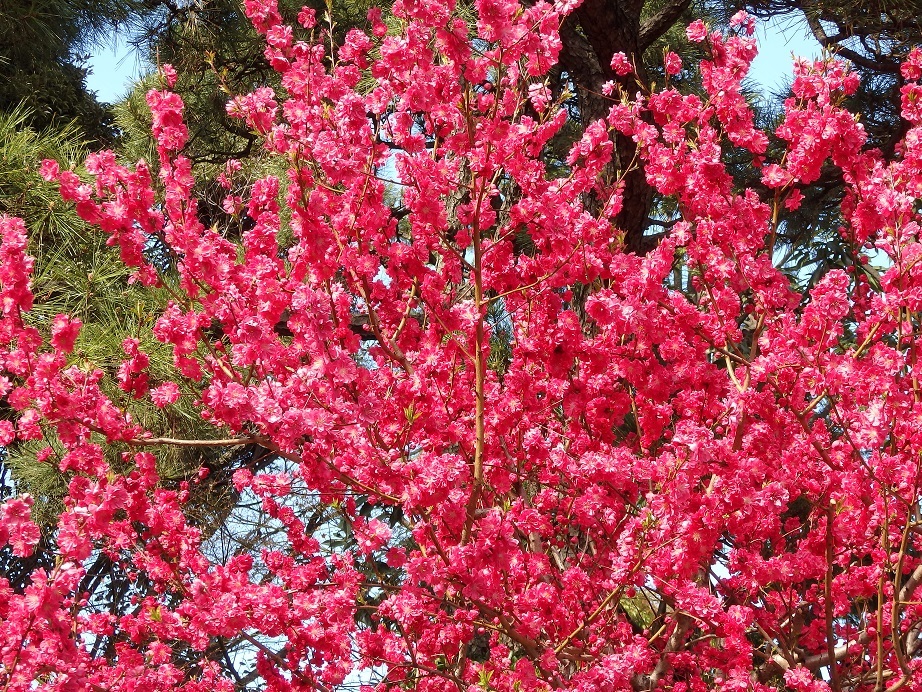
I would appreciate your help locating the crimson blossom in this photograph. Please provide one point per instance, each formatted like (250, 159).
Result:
(559, 465)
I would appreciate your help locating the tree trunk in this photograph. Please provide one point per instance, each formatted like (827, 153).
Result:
(595, 32)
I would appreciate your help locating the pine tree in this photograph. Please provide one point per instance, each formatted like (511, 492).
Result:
(77, 273)
(44, 45)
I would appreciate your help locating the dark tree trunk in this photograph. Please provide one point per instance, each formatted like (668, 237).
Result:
(591, 36)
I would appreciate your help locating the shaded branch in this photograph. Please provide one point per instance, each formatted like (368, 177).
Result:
(833, 44)
(661, 22)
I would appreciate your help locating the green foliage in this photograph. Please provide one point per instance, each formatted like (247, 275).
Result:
(43, 52)
(22, 191)
(77, 273)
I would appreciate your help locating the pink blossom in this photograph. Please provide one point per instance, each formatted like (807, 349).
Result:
(469, 440)
(378, 27)
(673, 63)
(697, 31)
(64, 332)
(168, 74)
(540, 96)
(743, 20)
(912, 68)
(307, 18)
(621, 64)
(16, 526)
(166, 393)
(7, 433)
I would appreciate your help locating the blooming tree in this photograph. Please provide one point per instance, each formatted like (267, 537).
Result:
(684, 475)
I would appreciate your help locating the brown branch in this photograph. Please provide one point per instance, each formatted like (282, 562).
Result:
(227, 442)
(834, 679)
(831, 43)
(661, 22)
(683, 623)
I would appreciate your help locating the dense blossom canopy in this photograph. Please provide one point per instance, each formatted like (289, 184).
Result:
(686, 474)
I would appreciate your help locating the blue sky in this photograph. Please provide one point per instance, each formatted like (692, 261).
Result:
(779, 41)
(116, 65)
(113, 68)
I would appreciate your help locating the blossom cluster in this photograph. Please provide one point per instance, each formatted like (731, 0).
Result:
(621, 482)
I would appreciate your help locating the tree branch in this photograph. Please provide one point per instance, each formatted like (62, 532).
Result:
(660, 23)
(832, 43)
(227, 442)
